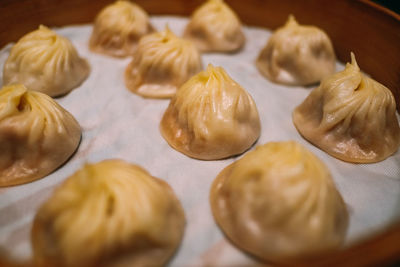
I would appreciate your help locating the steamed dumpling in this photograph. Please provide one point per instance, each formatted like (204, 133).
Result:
(118, 28)
(214, 27)
(161, 64)
(211, 117)
(46, 62)
(351, 117)
(36, 135)
(297, 55)
(108, 214)
(279, 202)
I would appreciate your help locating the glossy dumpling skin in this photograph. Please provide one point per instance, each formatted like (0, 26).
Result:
(279, 203)
(351, 117)
(36, 135)
(161, 64)
(297, 55)
(118, 28)
(111, 213)
(214, 27)
(45, 62)
(211, 117)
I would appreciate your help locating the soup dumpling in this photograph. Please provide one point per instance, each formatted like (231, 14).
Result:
(36, 135)
(161, 64)
(351, 117)
(111, 213)
(211, 117)
(45, 62)
(297, 55)
(279, 203)
(118, 28)
(214, 27)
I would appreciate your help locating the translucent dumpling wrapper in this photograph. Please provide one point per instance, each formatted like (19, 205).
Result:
(279, 203)
(161, 64)
(297, 55)
(214, 27)
(351, 117)
(46, 62)
(118, 28)
(211, 117)
(111, 213)
(36, 135)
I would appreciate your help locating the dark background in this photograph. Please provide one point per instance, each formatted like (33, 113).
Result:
(391, 4)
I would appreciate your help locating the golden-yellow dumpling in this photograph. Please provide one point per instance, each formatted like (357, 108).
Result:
(46, 62)
(118, 28)
(211, 117)
(297, 55)
(278, 202)
(161, 64)
(111, 213)
(351, 117)
(214, 27)
(36, 135)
